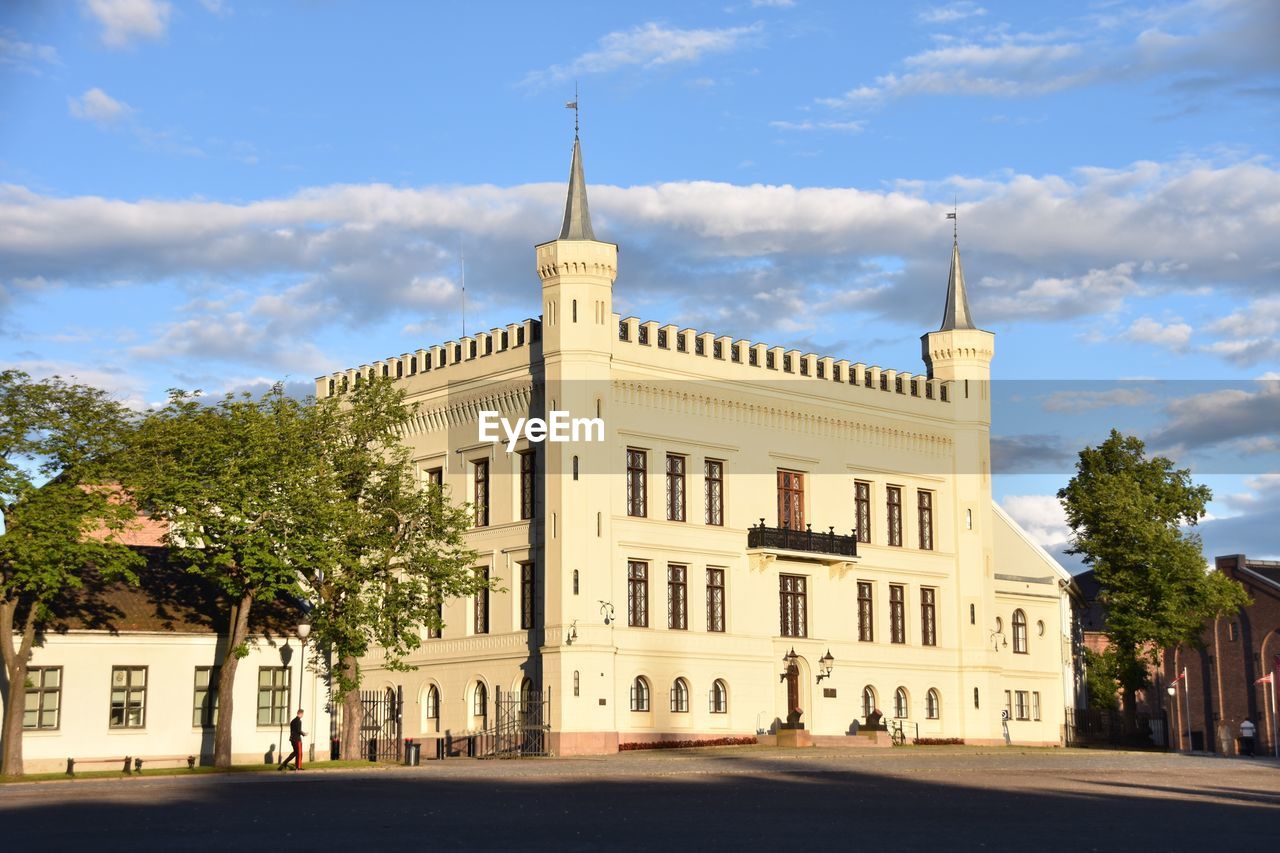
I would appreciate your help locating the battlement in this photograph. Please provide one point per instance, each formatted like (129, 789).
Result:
(438, 357)
(784, 362)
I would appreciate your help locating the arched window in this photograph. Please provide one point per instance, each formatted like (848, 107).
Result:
(932, 704)
(431, 704)
(480, 701)
(1019, 632)
(640, 694)
(901, 708)
(528, 696)
(719, 701)
(868, 700)
(680, 696)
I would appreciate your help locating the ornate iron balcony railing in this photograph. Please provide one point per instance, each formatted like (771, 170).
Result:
(818, 542)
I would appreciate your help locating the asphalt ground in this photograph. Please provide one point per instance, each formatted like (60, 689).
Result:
(754, 798)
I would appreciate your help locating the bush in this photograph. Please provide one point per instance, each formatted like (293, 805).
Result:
(687, 744)
(938, 741)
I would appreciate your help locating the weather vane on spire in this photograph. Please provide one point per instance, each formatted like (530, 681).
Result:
(573, 105)
(955, 224)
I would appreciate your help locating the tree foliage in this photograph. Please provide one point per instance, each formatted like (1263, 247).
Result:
(394, 547)
(1129, 516)
(61, 522)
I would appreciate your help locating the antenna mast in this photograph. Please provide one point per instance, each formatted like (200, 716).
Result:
(462, 260)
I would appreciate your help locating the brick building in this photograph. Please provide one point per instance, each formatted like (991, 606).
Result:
(1236, 651)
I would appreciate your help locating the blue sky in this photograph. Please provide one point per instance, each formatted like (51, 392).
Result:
(222, 194)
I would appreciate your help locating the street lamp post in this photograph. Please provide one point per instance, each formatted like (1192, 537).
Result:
(304, 631)
(1186, 701)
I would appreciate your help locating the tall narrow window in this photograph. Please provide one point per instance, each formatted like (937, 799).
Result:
(894, 507)
(794, 605)
(480, 701)
(1035, 704)
(675, 487)
(527, 600)
(932, 704)
(43, 709)
(577, 684)
(480, 498)
(928, 616)
(713, 491)
(680, 696)
(636, 501)
(866, 613)
(204, 708)
(431, 704)
(575, 581)
(677, 597)
(862, 509)
(1019, 632)
(435, 477)
(925, 502)
(273, 695)
(1021, 707)
(1008, 705)
(897, 613)
(901, 705)
(791, 500)
(718, 701)
(527, 465)
(638, 594)
(640, 694)
(481, 621)
(715, 600)
(128, 697)
(869, 702)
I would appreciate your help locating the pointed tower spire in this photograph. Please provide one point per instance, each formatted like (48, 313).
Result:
(577, 218)
(956, 314)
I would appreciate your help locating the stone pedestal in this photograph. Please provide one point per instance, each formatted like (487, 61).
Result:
(798, 737)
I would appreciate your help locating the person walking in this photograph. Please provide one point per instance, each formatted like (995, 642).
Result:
(295, 740)
(1247, 733)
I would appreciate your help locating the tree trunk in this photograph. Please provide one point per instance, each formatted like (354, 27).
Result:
(1130, 698)
(15, 667)
(227, 681)
(352, 712)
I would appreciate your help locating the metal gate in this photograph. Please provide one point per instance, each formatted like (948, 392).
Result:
(381, 727)
(521, 724)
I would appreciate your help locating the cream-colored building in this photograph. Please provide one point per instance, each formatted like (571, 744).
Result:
(744, 501)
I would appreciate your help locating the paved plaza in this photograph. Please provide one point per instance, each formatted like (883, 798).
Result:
(733, 799)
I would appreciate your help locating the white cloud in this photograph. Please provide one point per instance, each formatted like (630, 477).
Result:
(648, 46)
(841, 126)
(951, 12)
(124, 21)
(97, 106)
(774, 4)
(1216, 417)
(1041, 516)
(24, 55)
(1083, 401)
(1174, 336)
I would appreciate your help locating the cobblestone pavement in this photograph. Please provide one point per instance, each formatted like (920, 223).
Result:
(733, 799)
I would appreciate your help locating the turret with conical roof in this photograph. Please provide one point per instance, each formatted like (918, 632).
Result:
(959, 349)
(956, 313)
(577, 215)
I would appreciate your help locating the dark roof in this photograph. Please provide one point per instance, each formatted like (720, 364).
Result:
(577, 217)
(955, 315)
(167, 598)
(1093, 615)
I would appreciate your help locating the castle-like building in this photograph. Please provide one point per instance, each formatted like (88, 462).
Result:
(763, 535)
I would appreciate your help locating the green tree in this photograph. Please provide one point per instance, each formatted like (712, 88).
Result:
(1128, 515)
(59, 521)
(1102, 679)
(243, 496)
(394, 548)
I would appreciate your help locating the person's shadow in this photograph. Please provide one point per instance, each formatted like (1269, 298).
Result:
(269, 757)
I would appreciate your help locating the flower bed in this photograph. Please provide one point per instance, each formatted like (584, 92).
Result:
(938, 741)
(687, 744)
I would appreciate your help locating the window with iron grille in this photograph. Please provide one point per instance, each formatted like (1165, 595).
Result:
(715, 600)
(480, 472)
(735, 354)
(862, 509)
(527, 600)
(43, 708)
(643, 334)
(791, 500)
(636, 500)
(699, 346)
(204, 710)
(662, 339)
(753, 357)
(794, 606)
(273, 695)
(928, 616)
(680, 696)
(528, 464)
(1019, 632)
(481, 621)
(893, 501)
(640, 694)
(718, 701)
(897, 613)
(769, 360)
(675, 487)
(717, 350)
(678, 597)
(786, 363)
(638, 594)
(682, 342)
(866, 613)
(622, 330)
(713, 491)
(924, 501)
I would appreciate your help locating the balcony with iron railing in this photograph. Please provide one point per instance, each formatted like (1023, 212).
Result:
(826, 547)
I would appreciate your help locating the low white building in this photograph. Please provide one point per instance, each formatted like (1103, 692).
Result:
(131, 671)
